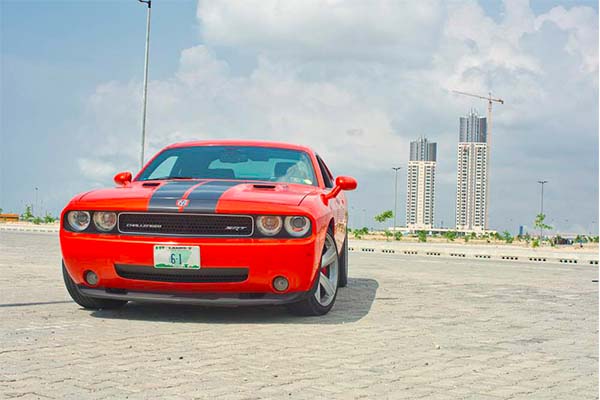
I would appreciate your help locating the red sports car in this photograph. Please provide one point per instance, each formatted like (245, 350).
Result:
(223, 223)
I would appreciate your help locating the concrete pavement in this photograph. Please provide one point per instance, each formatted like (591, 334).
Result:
(406, 327)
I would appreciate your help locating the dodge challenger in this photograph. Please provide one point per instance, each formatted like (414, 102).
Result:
(214, 223)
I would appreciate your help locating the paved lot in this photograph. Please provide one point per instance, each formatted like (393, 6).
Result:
(404, 328)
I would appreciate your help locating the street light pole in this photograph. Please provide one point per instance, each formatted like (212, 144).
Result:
(396, 169)
(145, 90)
(542, 207)
(35, 202)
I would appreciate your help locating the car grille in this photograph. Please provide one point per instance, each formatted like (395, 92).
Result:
(204, 275)
(186, 224)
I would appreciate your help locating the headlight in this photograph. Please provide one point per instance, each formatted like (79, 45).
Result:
(105, 221)
(79, 220)
(297, 226)
(269, 225)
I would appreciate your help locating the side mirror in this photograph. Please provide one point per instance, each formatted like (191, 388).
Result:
(341, 183)
(346, 182)
(123, 178)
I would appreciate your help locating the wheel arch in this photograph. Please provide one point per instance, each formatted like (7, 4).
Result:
(331, 226)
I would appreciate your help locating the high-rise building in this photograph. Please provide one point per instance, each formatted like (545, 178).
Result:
(471, 180)
(420, 191)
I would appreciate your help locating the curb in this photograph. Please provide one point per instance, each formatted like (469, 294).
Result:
(536, 259)
(29, 229)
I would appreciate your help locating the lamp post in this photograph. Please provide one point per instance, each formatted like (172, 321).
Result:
(364, 216)
(542, 207)
(145, 90)
(396, 169)
(35, 201)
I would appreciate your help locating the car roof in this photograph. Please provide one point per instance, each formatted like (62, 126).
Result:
(255, 143)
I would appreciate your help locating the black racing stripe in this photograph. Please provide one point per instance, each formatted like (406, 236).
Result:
(205, 197)
(165, 197)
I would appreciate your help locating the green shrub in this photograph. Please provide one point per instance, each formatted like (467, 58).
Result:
(450, 236)
(27, 214)
(507, 237)
(581, 239)
(384, 216)
(358, 233)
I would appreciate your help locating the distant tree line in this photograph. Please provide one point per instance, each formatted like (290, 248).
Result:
(28, 216)
(451, 236)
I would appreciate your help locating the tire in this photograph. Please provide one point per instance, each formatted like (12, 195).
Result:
(324, 291)
(84, 301)
(344, 264)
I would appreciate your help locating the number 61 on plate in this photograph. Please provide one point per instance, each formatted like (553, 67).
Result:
(177, 257)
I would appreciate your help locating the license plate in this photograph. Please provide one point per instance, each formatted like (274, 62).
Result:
(177, 257)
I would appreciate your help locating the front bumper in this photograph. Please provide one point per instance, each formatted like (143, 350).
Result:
(264, 259)
(207, 299)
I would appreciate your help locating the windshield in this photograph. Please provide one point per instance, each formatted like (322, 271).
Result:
(232, 162)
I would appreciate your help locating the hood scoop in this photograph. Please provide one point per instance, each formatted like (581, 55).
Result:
(263, 186)
(150, 184)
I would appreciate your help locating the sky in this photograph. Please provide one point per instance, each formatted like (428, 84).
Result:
(355, 80)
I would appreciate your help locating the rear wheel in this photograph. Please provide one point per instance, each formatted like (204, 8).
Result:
(86, 301)
(323, 294)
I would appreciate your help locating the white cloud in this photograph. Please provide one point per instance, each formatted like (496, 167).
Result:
(95, 169)
(203, 101)
(330, 29)
(581, 23)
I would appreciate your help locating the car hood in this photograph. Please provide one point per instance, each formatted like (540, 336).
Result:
(196, 196)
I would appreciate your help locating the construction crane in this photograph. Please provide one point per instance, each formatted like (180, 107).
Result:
(490, 100)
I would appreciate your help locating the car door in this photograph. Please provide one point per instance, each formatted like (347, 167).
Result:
(337, 205)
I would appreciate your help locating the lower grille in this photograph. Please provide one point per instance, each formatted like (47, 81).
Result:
(181, 224)
(205, 275)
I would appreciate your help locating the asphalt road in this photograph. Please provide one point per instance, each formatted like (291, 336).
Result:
(404, 328)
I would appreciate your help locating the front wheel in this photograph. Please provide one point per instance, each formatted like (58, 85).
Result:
(86, 301)
(323, 294)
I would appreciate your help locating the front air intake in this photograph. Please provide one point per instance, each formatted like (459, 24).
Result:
(199, 225)
(203, 275)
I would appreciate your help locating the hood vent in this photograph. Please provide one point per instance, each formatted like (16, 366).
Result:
(151, 184)
(264, 186)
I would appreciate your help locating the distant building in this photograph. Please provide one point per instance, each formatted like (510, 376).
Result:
(472, 178)
(420, 191)
(9, 217)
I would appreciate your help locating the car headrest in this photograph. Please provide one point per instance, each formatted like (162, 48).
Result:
(281, 168)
